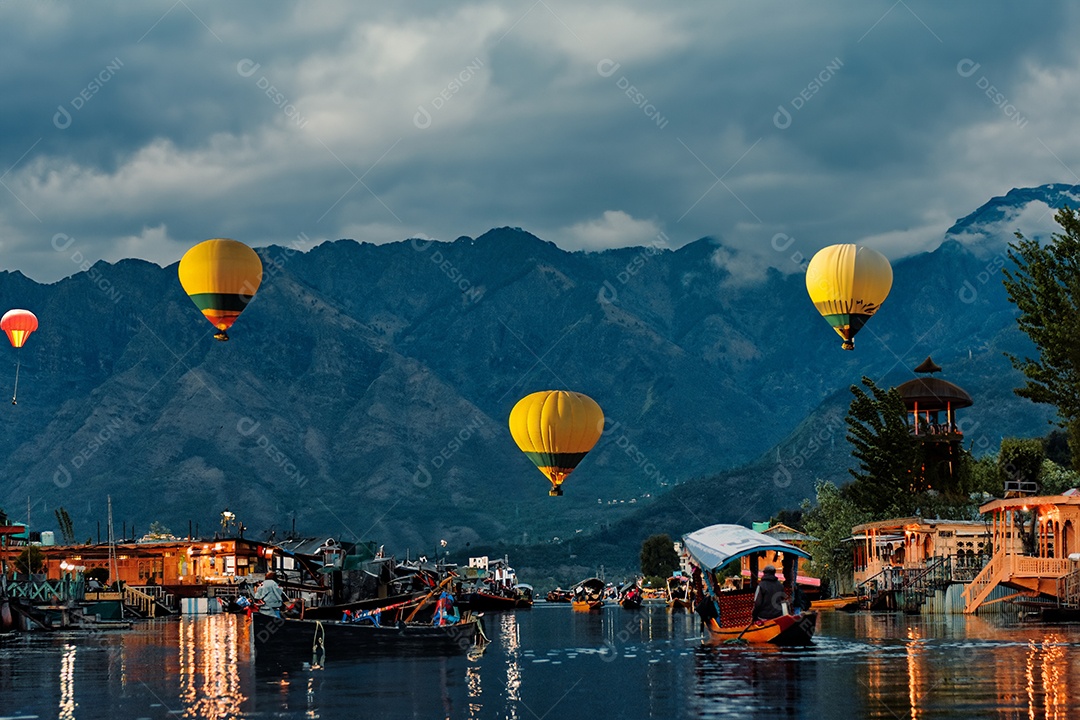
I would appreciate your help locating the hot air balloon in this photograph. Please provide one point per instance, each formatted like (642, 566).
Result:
(847, 285)
(221, 277)
(18, 324)
(556, 429)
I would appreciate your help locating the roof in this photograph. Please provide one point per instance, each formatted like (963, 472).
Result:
(1029, 501)
(717, 545)
(920, 523)
(928, 366)
(780, 531)
(932, 394)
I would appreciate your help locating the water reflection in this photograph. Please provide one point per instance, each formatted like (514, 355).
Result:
(67, 684)
(510, 640)
(208, 657)
(552, 663)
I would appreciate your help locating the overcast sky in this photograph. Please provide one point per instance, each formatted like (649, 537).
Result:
(139, 129)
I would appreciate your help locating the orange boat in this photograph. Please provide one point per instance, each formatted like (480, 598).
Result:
(588, 595)
(728, 617)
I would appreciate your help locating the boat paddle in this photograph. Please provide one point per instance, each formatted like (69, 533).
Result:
(428, 597)
(738, 640)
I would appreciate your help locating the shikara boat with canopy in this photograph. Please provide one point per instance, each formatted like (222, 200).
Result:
(730, 619)
(588, 595)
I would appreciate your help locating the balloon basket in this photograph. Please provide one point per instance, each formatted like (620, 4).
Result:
(555, 492)
(222, 336)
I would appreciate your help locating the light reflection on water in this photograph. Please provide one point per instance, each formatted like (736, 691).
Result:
(550, 662)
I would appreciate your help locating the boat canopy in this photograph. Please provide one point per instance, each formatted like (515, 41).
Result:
(717, 545)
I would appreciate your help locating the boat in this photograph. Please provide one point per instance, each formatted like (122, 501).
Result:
(729, 617)
(524, 593)
(588, 595)
(405, 601)
(680, 593)
(847, 603)
(486, 598)
(558, 595)
(280, 640)
(491, 585)
(630, 597)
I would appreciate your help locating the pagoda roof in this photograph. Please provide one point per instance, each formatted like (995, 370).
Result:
(933, 393)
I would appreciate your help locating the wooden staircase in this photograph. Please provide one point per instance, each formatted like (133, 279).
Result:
(146, 603)
(979, 589)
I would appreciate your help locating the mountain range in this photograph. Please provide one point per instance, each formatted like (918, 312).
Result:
(365, 391)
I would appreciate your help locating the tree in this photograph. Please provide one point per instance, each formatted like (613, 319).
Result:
(658, 556)
(30, 560)
(886, 482)
(1020, 460)
(1055, 479)
(830, 520)
(985, 476)
(1045, 287)
(67, 530)
(158, 531)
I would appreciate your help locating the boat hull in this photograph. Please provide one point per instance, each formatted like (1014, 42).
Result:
(482, 601)
(282, 640)
(784, 630)
(587, 605)
(334, 612)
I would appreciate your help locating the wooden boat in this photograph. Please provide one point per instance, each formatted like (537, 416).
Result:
(784, 630)
(680, 594)
(847, 603)
(729, 616)
(558, 595)
(630, 597)
(588, 595)
(524, 593)
(480, 598)
(401, 603)
(284, 639)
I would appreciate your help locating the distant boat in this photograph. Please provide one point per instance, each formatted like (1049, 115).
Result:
(680, 594)
(630, 596)
(491, 585)
(283, 639)
(712, 548)
(588, 595)
(558, 595)
(524, 594)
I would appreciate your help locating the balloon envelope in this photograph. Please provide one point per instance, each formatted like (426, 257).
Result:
(847, 285)
(18, 324)
(221, 277)
(556, 429)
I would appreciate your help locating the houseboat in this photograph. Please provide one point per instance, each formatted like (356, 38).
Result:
(1035, 555)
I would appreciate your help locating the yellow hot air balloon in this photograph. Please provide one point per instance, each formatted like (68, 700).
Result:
(556, 429)
(221, 277)
(847, 285)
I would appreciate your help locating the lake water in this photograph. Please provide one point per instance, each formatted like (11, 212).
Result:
(550, 662)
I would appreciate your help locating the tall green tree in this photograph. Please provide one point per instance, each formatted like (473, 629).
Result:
(886, 481)
(658, 556)
(1045, 287)
(830, 520)
(1020, 460)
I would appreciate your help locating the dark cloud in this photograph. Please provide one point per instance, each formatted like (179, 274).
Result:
(140, 129)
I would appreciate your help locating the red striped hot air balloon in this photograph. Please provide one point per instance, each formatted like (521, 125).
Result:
(18, 324)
